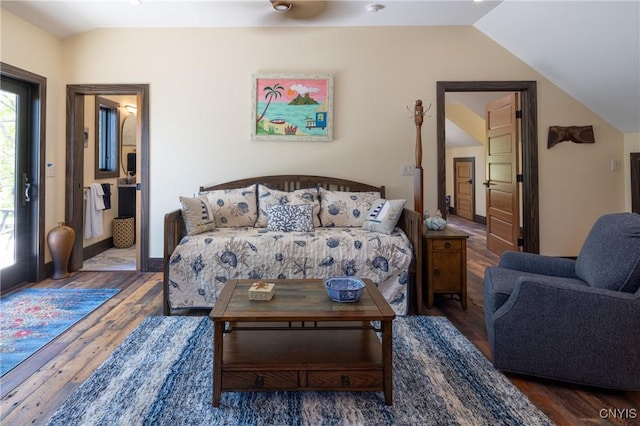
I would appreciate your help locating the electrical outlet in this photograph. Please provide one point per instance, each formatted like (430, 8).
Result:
(406, 169)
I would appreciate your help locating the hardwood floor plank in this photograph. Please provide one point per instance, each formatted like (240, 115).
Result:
(34, 390)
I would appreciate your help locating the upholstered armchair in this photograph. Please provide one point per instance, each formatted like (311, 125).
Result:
(571, 320)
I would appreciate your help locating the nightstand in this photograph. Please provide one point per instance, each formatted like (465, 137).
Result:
(444, 266)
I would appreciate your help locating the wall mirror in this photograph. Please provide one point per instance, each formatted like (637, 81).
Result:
(129, 130)
(128, 141)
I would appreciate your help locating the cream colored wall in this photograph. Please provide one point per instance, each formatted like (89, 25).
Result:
(200, 102)
(478, 153)
(29, 48)
(467, 120)
(576, 181)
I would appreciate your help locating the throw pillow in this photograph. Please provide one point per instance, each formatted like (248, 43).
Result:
(233, 207)
(267, 196)
(345, 209)
(197, 215)
(383, 215)
(289, 217)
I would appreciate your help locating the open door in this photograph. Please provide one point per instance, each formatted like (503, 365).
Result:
(502, 169)
(464, 189)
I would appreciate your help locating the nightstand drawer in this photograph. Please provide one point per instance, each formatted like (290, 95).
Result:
(446, 244)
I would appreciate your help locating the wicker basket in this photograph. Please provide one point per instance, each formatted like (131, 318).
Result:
(124, 232)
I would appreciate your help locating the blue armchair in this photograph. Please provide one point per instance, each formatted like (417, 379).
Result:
(572, 320)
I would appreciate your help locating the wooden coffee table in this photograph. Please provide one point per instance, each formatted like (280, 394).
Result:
(301, 340)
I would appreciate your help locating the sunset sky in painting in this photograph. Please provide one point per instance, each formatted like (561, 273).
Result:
(317, 88)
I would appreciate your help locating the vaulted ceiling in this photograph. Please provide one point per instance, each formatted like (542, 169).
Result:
(591, 49)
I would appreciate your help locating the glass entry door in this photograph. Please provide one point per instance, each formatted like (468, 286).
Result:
(15, 183)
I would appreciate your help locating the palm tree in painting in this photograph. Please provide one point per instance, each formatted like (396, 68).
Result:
(272, 93)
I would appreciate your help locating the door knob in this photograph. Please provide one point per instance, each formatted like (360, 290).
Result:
(27, 190)
(486, 183)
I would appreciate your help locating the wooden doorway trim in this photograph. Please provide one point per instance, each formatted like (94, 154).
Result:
(635, 181)
(529, 140)
(75, 162)
(38, 142)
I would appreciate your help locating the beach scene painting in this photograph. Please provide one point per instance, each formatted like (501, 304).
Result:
(292, 107)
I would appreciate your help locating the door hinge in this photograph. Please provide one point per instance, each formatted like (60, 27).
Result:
(520, 242)
(520, 177)
(519, 113)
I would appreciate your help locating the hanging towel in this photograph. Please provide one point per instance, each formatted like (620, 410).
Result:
(95, 204)
(106, 188)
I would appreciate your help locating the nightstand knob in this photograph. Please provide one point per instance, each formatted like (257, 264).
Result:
(345, 381)
(259, 381)
(447, 245)
(436, 272)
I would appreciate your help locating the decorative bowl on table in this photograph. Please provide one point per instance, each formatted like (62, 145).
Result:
(344, 289)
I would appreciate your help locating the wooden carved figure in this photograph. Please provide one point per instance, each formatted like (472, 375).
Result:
(577, 134)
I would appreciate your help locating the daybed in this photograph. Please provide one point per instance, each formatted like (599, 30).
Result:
(248, 238)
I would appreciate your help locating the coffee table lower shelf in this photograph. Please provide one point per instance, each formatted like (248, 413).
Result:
(301, 358)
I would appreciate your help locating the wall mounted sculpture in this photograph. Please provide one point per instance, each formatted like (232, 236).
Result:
(577, 134)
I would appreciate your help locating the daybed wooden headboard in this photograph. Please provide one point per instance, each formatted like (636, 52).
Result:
(292, 182)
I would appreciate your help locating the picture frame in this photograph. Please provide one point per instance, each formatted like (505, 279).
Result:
(292, 107)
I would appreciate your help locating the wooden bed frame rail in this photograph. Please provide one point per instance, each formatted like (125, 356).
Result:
(293, 182)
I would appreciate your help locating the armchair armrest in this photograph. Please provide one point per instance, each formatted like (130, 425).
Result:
(570, 301)
(538, 264)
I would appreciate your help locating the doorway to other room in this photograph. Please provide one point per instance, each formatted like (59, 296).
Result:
(134, 179)
(526, 90)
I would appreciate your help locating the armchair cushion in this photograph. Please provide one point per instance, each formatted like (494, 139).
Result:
(607, 259)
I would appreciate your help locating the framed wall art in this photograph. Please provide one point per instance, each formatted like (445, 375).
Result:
(292, 107)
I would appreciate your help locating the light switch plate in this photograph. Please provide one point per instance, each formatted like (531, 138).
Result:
(51, 170)
(615, 165)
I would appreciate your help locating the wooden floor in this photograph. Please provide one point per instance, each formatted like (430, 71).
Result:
(34, 389)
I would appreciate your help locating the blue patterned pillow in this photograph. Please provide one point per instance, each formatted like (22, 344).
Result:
(289, 217)
(233, 207)
(345, 209)
(267, 196)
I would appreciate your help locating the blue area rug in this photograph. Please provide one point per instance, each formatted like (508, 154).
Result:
(162, 375)
(31, 318)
